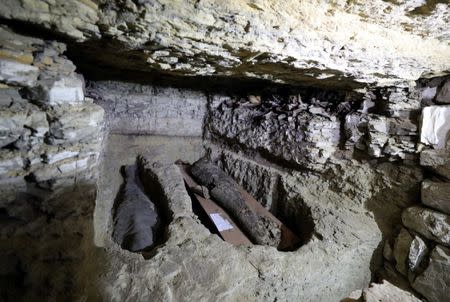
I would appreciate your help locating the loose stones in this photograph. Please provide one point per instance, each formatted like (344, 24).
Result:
(431, 224)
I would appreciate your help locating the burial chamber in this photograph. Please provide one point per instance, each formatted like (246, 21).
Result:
(333, 116)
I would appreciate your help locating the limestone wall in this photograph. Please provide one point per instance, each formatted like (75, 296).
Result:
(139, 109)
(419, 255)
(50, 141)
(313, 129)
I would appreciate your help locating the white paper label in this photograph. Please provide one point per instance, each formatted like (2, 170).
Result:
(221, 223)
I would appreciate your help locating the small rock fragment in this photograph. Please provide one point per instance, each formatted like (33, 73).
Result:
(417, 252)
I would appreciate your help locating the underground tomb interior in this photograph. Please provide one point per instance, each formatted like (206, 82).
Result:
(351, 171)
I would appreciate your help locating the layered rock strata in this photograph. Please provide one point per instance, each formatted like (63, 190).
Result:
(50, 139)
(139, 109)
(330, 43)
(309, 130)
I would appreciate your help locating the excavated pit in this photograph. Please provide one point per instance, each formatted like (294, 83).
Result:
(327, 206)
(296, 223)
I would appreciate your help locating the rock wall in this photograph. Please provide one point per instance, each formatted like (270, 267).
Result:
(138, 109)
(334, 43)
(50, 140)
(327, 162)
(311, 129)
(419, 256)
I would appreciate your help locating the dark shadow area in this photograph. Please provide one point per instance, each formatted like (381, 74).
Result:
(43, 253)
(117, 62)
(296, 215)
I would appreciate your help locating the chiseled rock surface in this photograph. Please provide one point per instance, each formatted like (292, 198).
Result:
(436, 126)
(293, 131)
(195, 265)
(387, 292)
(431, 224)
(260, 181)
(436, 160)
(384, 42)
(436, 195)
(150, 110)
(434, 282)
(257, 273)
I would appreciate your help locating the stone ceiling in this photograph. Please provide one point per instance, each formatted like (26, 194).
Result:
(333, 43)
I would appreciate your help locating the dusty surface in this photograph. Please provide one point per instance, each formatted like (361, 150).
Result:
(298, 159)
(195, 265)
